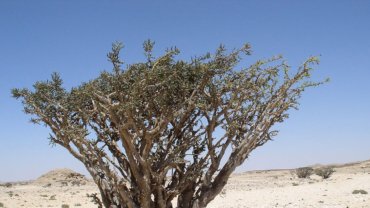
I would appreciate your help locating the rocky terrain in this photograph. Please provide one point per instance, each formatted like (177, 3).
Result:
(349, 186)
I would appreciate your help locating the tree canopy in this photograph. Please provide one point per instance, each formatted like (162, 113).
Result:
(168, 129)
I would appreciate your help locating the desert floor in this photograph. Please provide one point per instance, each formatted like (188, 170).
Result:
(254, 189)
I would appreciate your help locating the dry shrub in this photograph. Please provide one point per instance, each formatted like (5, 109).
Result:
(325, 172)
(359, 192)
(304, 172)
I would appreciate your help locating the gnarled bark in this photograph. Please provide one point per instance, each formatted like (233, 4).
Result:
(159, 130)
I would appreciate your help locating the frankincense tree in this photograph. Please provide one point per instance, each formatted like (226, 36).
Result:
(168, 129)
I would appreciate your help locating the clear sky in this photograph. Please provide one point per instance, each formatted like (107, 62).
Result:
(73, 37)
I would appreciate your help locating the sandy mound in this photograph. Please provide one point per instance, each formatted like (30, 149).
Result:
(61, 177)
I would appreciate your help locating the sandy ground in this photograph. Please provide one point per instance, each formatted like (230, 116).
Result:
(270, 188)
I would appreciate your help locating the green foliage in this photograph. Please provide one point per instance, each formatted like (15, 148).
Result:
(304, 172)
(149, 129)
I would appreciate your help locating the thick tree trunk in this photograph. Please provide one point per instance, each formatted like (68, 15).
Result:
(185, 199)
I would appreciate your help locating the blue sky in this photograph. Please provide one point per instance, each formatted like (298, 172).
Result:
(73, 37)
